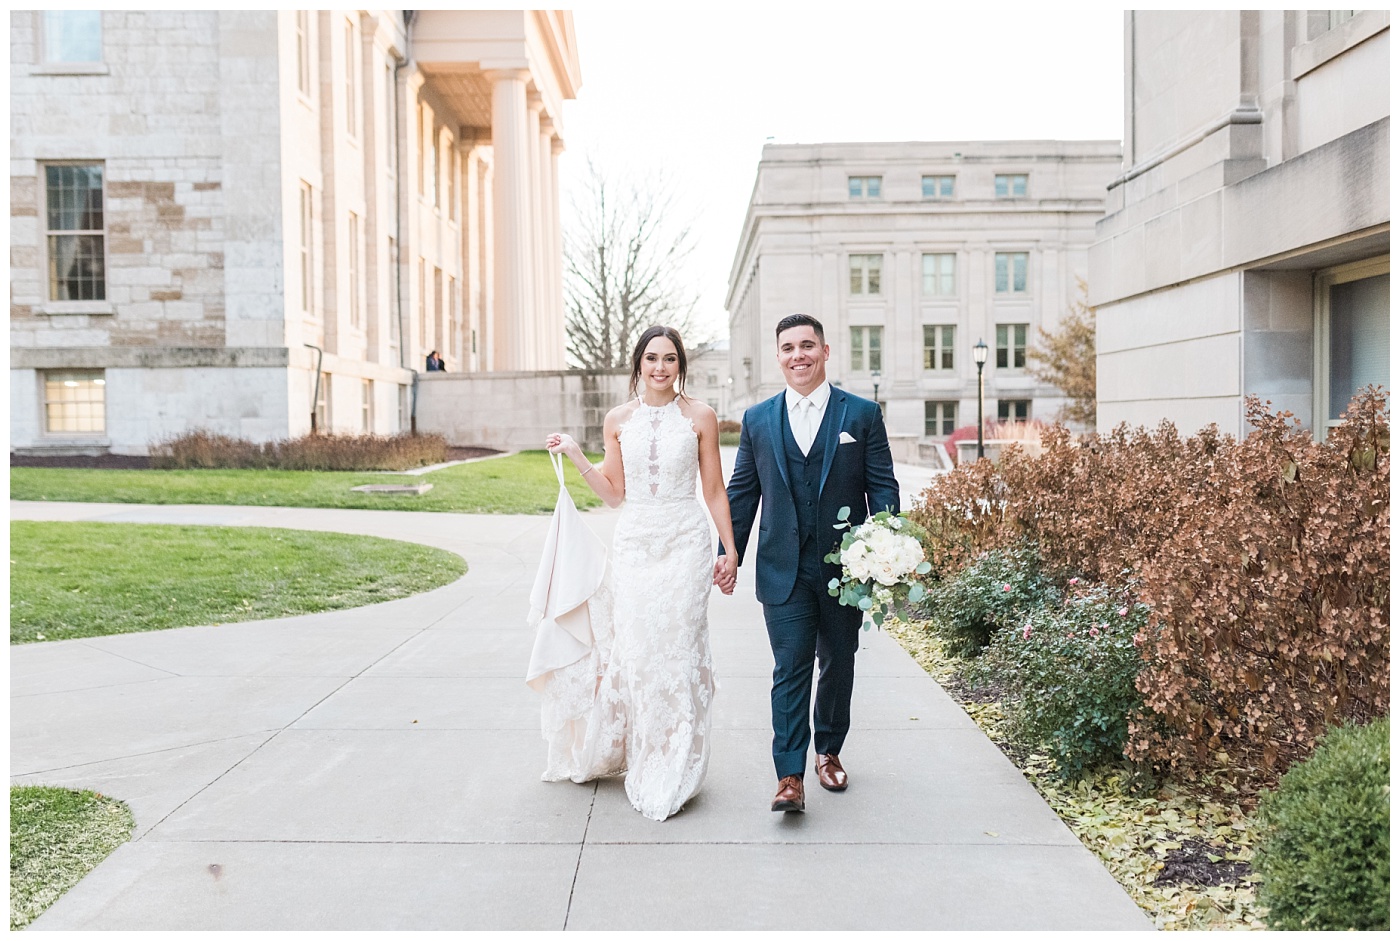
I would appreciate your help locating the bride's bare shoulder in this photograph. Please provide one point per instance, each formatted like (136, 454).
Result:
(620, 413)
(699, 413)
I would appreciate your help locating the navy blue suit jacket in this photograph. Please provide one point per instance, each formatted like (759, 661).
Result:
(858, 474)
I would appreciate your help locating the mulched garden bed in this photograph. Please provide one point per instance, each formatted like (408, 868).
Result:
(141, 462)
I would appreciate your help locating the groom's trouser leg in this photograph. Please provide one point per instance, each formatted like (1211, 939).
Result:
(792, 632)
(838, 639)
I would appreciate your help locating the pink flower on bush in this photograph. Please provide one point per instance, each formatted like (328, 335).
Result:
(1104, 626)
(1122, 612)
(1026, 634)
(1074, 581)
(1070, 634)
(1093, 632)
(1005, 587)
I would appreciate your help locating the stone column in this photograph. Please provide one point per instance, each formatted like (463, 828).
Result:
(556, 253)
(514, 293)
(551, 332)
(534, 105)
(487, 342)
(470, 309)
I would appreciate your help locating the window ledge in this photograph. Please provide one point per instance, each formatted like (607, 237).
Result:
(1339, 39)
(58, 441)
(60, 308)
(70, 68)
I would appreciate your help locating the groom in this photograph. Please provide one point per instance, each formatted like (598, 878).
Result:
(807, 452)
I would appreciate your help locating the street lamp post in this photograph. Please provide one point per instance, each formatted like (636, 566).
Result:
(979, 356)
(875, 377)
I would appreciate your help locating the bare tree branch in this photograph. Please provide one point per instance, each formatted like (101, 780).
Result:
(624, 258)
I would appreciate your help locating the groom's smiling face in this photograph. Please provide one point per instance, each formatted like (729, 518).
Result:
(803, 355)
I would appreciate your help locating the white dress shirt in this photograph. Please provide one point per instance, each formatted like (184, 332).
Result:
(805, 413)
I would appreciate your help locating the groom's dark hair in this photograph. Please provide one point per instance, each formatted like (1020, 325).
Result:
(802, 320)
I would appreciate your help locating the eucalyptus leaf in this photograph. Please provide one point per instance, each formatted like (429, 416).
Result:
(844, 513)
(865, 604)
(923, 568)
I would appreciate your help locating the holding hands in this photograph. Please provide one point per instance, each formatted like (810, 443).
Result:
(726, 573)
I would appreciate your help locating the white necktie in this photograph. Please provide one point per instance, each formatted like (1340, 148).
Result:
(803, 429)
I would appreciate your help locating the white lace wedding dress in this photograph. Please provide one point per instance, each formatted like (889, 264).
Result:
(641, 700)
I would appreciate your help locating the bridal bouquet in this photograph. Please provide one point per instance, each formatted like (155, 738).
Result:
(879, 559)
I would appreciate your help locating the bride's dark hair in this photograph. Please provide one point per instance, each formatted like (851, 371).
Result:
(649, 334)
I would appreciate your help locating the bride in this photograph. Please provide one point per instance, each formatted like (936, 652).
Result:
(649, 713)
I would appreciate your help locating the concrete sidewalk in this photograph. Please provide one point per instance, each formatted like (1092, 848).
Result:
(379, 768)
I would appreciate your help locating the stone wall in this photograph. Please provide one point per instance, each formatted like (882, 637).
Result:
(517, 410)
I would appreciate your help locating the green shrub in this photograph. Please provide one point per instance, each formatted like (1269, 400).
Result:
(998, 589)
(1068, 672)
(1325, 851)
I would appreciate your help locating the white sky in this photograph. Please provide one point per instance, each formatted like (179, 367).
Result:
(696, 93)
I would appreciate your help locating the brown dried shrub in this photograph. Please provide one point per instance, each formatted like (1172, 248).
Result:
(1271, 600)
(1265, 561)
(205, 449)
(728, 426)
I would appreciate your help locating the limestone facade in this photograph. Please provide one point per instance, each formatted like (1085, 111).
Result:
(1246, 246)
(205, 206)
(909, 254)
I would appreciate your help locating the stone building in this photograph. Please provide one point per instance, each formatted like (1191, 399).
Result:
(1246, 247)
(909, 254)
(241, 220)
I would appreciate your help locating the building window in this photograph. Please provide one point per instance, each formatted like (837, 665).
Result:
(1354, 352)
(865, 274)
(422, 150)
(393, 255)
(76, 233)
(367, 406)
(1011, 345)
(72, 36)
(938, 346)
(304, 52)
(353, 270)
(323, 396)
(1011, 272)
(75, 402)
(452, 315)
(1336, 18)
(405, 419)
(1014, 410)
(938, 187)
(431, 171)
(940, 418)
(439, 333)
(940, 274)
(1010, 185)
(389, 117)
(865, 348)
(863, 187)
(452, 163)
(352, 98)
(422, 302)
(304, 236)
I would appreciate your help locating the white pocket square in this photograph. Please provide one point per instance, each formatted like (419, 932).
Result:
(847, 439)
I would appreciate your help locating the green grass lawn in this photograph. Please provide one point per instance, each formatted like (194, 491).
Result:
(90, 579)
(520, 483)
(56, 837)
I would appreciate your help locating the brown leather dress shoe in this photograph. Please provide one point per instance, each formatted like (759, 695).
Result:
(790, 796)
(830, 773)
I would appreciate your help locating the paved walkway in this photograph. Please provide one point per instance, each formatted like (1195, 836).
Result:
(379, 768)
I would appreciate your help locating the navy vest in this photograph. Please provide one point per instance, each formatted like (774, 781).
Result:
(805, 478)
